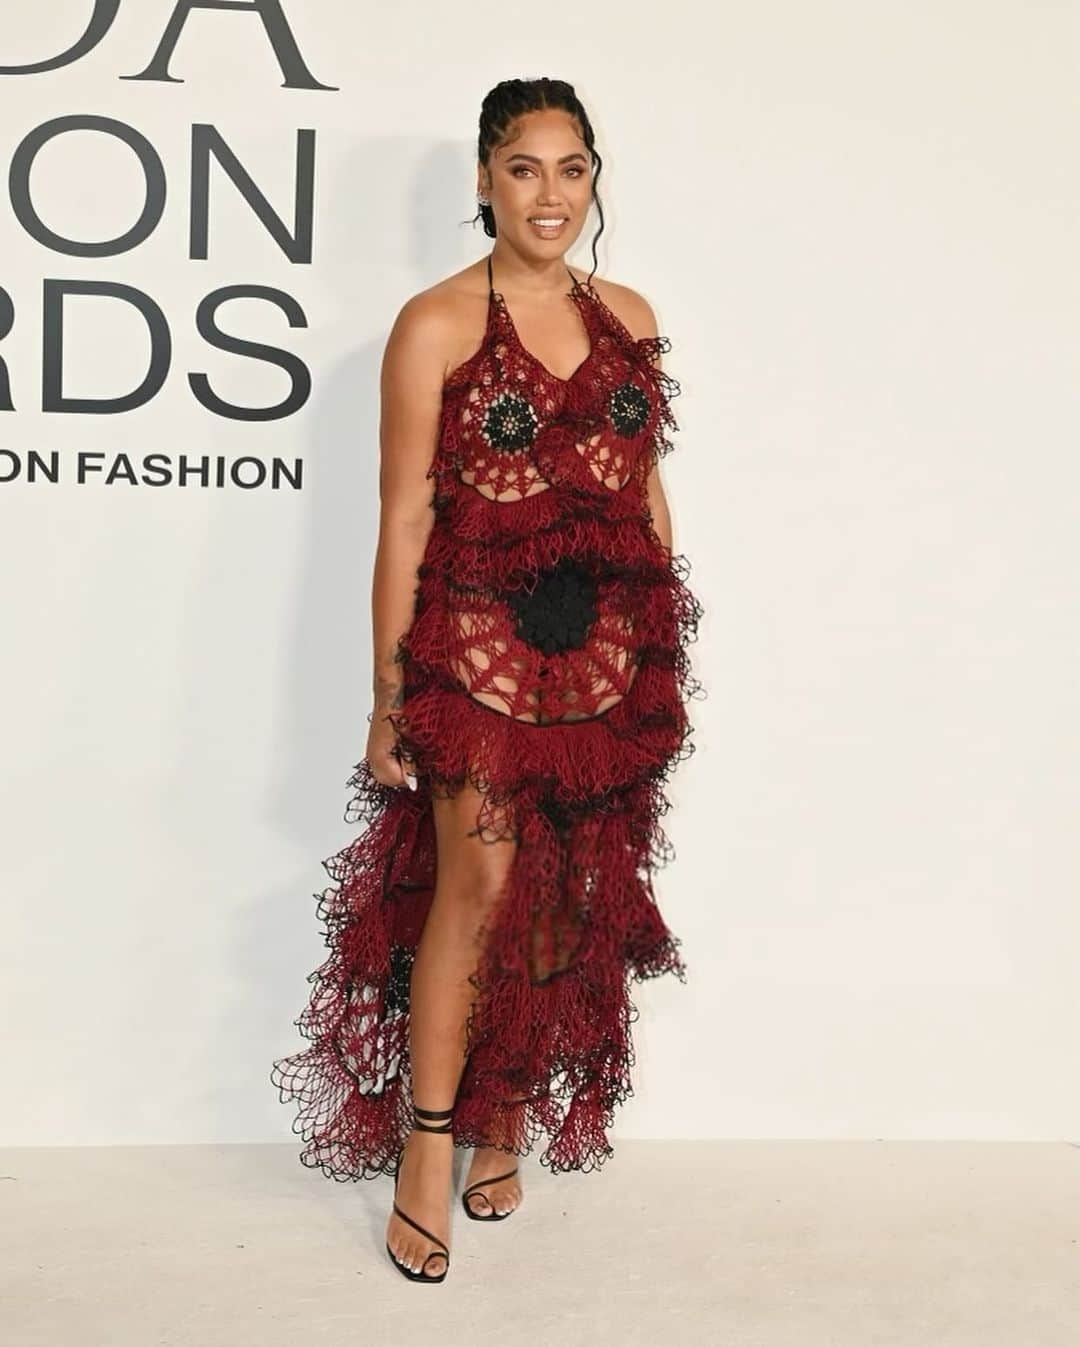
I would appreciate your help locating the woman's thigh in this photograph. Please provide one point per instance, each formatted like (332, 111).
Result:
(476, 846)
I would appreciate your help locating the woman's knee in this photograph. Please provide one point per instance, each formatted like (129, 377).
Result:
(474, 884)
(471, 871)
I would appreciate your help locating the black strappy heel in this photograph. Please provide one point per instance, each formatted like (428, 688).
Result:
(480, 1183)
(442, 1251)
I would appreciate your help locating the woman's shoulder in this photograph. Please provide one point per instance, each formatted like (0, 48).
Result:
(631, 308)
(442, 318)
(445, 299)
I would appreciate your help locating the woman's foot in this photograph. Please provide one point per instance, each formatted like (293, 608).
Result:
(423, 1190)
(500, 1198)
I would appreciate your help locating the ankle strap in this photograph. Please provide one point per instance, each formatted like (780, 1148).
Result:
(432, 1113)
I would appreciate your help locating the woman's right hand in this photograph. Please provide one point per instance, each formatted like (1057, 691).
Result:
(389, 765)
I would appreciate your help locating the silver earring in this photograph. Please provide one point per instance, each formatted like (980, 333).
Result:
(482, 201)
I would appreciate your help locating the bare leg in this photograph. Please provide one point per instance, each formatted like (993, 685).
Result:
(469, 880)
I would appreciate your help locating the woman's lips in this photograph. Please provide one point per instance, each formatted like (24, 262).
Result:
(548, 231)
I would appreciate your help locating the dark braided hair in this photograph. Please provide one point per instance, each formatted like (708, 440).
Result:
(511, 99)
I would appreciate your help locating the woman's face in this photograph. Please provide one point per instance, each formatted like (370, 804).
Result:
(542, 173)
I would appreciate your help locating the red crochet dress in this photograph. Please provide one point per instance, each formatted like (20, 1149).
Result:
(547, 665)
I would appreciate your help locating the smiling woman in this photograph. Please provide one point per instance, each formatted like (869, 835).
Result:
(550, 225)
(531, 625)
(550, 198)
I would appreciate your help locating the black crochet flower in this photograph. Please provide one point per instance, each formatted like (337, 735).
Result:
(510, 424)
(559, 611)
(628, 409)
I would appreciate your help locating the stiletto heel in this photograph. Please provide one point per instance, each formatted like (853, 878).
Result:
(442, 1251)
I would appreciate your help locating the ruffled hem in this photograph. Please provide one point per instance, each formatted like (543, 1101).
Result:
(549, 1040)
(549, 1056)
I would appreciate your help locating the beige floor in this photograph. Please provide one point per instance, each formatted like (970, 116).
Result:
(745, 1244)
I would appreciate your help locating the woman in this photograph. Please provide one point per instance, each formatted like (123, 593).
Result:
(530, 625)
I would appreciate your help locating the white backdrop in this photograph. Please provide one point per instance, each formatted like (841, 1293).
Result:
(857, 224)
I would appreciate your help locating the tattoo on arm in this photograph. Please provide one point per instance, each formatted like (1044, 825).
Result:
(389, 689)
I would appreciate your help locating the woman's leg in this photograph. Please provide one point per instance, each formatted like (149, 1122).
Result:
(470, 877)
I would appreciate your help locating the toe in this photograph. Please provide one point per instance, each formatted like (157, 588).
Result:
(409, 1256)
(502, 1200)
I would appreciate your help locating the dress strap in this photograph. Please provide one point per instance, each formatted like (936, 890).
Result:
(491, 283)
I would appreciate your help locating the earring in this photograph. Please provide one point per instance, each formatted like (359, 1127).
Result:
(482, 201)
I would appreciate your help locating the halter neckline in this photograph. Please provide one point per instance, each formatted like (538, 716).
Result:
(579, 293)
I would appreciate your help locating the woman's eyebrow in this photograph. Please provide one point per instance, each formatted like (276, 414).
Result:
(533, 159)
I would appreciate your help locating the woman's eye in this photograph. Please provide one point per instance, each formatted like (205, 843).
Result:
(575, 169)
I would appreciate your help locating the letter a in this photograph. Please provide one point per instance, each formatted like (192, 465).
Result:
(297, 75)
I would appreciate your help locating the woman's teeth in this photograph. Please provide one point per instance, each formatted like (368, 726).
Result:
(547, 225)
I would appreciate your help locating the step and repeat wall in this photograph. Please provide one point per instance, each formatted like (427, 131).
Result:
(851, 221)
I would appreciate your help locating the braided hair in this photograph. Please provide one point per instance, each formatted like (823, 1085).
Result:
(511, 99)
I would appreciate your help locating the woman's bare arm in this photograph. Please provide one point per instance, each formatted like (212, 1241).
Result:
(413, 368)
(640, 321)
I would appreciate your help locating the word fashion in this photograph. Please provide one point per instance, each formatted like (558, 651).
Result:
(547, 666)
(115, 468)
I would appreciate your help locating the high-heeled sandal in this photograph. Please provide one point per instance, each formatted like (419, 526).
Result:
(442, 1251)
(480, 1183)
